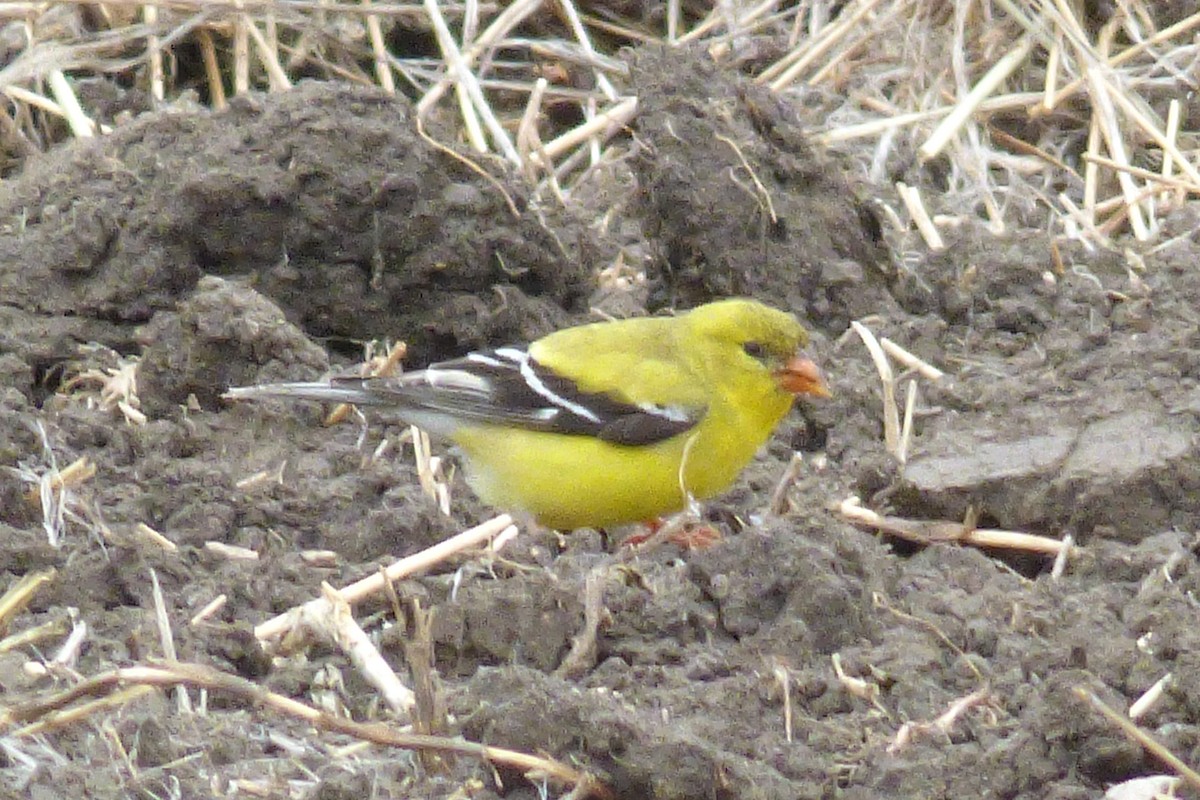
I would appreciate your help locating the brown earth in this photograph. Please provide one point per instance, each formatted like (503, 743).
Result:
(226, 249)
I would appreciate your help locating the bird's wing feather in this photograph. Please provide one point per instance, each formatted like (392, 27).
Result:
(643, 365)
(508, 386)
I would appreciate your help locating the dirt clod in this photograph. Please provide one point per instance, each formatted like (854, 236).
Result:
(736, 201)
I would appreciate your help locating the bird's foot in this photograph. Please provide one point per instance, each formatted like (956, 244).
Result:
(683, 529)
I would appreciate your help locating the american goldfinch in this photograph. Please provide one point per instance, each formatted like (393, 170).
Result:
(605, 423)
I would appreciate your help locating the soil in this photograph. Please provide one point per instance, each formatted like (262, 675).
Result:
(269, 241)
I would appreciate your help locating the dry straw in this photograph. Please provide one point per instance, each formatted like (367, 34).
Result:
(997, 92)
(118, 688)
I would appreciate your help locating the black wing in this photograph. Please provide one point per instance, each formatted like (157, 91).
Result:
(507, 386)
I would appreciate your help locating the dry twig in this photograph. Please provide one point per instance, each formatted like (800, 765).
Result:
(130, 683)
(927, 532)
(21, 593)
(1152, 745)
(271, 630)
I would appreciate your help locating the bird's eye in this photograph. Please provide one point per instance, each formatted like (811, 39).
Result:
(754, 349)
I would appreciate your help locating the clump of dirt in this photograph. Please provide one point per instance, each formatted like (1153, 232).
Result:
(325, 197)
(735, 201)
(222, 335)
(1075, 403)
(796, 657)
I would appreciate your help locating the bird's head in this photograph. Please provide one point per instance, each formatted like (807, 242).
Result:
(758, 340)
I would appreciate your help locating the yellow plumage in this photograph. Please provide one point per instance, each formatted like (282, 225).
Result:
(615, 422)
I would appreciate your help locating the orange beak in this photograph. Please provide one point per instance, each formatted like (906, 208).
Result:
(801, 376)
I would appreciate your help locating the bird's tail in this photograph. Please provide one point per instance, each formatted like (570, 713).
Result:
(347, 391)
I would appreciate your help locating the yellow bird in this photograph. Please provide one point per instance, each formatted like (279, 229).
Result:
(605, 423)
